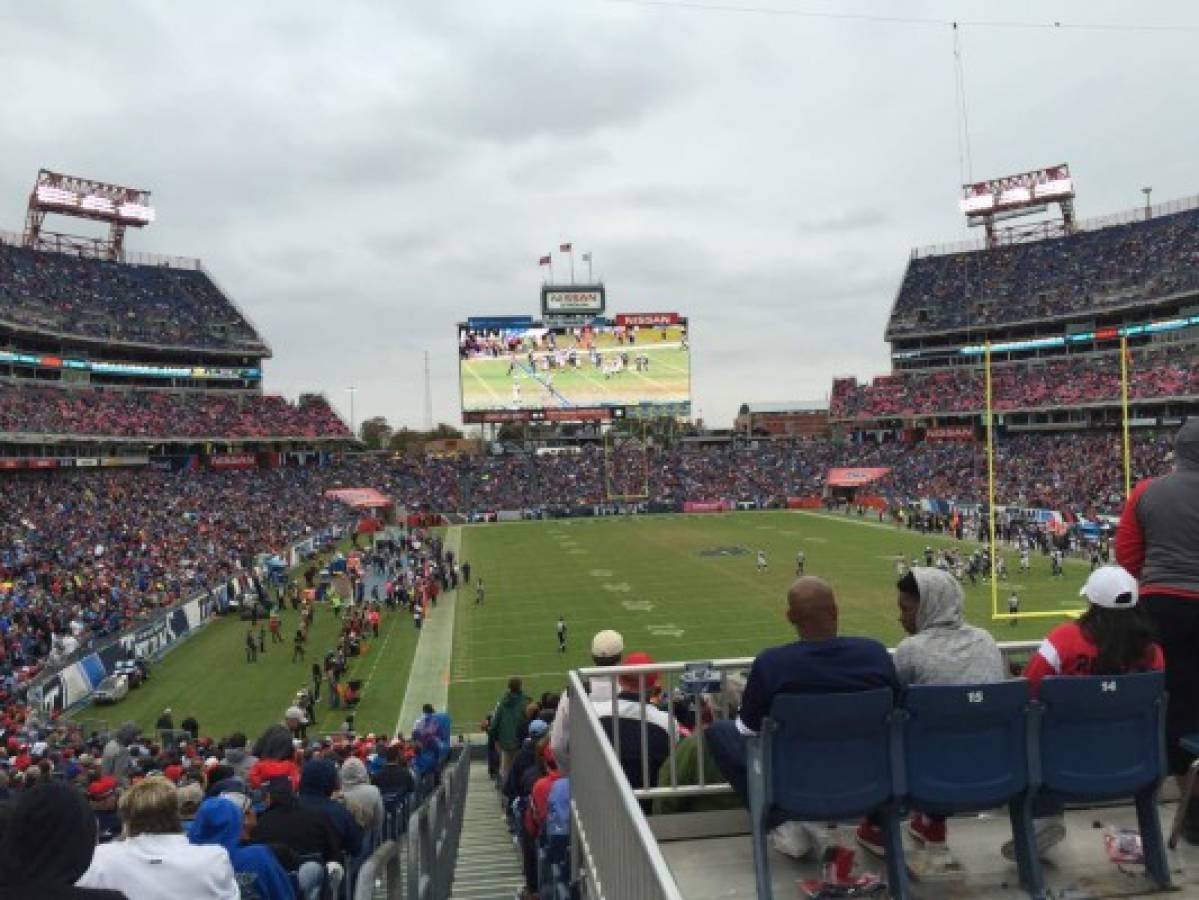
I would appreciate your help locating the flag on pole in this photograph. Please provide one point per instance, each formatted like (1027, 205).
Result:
(546, 261)
(564, 248)
(587, 256)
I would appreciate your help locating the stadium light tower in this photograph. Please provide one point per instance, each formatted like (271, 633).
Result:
(351, 390)
(83, 198)
(1148, 207)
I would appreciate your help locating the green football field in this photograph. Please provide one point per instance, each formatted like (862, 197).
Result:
(488, 383)
(679, 587)
(687, 587)
(208, 676)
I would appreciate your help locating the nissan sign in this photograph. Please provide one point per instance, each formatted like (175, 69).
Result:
(572, 300)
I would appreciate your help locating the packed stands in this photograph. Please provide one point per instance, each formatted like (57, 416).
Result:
(1059, 471)
(94, 412)
(1159, 373)
(1090, 270)
(119, 302)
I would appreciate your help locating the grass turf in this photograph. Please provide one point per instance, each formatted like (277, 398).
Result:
(207, 676)
(679, 587)
(656, 579)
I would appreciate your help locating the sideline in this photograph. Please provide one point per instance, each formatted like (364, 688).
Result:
(429, 678)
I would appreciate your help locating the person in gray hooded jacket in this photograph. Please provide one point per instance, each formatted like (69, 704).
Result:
(117, 758)
(361, 798)
(942, 649)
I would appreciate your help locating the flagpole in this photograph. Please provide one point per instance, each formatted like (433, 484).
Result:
(572, 263)
(590, 280)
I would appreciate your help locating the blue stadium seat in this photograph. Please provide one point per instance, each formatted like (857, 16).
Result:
(1189, 743)
(824, 758)
(1104, 738)
(967, 749)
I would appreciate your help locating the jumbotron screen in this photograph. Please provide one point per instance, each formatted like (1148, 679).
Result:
(516, 369)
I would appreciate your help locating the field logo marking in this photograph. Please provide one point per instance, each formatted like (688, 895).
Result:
(618, 587)
(668, 630)
(638, 605)
(601, 573)
(724, 551)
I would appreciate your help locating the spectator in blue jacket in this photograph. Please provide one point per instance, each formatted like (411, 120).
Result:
(222, 820)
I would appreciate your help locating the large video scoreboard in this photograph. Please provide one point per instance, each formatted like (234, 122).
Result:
(515, 368)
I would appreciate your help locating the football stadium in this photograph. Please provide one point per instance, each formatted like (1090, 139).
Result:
(931, 636)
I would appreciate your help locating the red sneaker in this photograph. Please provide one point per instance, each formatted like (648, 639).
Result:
(871, 837)
(926, 829)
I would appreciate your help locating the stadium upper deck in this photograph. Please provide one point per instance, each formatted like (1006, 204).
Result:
(95, 300)
(1054, 311)
(1133, 263)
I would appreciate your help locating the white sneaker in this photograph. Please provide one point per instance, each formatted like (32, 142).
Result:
(792, 839)
(1047, 833)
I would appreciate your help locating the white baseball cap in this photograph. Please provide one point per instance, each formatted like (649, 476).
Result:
(607, 644)
(294, 712)
(1110, 587)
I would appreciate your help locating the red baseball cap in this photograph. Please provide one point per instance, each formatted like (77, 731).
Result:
(102, 788)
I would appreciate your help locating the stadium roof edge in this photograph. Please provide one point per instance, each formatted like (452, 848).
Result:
(1095, 223)
(789, 406)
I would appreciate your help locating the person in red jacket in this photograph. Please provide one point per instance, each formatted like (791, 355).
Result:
(1158, 542)
(1112, 637)
(276, 758)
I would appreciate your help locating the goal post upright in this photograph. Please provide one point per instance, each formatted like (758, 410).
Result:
(1124, 415)
(991, 479)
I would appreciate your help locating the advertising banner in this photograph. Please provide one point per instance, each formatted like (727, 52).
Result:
(854, 477)
(707, 506)
(227, 461)
(628, 319)
(950, 433)
(804, 503)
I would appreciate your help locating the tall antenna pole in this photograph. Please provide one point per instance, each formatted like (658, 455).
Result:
(428, 396)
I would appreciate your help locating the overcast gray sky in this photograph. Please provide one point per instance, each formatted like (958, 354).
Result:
(360, 176)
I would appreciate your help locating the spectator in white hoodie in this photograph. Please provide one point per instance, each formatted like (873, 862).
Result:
(154, 859)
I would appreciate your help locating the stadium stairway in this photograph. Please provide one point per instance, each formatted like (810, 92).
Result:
(488, 864)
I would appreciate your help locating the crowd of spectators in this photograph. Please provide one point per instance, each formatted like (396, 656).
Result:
(284, 817)
(118, 302)
(1089, 270)
(1042, 384)
(1077, 470)
(26, 409)
(85, 554)
(138, 796)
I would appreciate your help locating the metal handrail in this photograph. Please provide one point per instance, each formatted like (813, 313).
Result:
(434, 829)
(612, 847)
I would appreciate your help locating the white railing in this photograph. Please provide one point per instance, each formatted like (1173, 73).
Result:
(720, 704)
(433, 833)
(420, 864)
(612, 847)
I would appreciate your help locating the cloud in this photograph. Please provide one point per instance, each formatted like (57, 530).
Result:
(362, 176)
